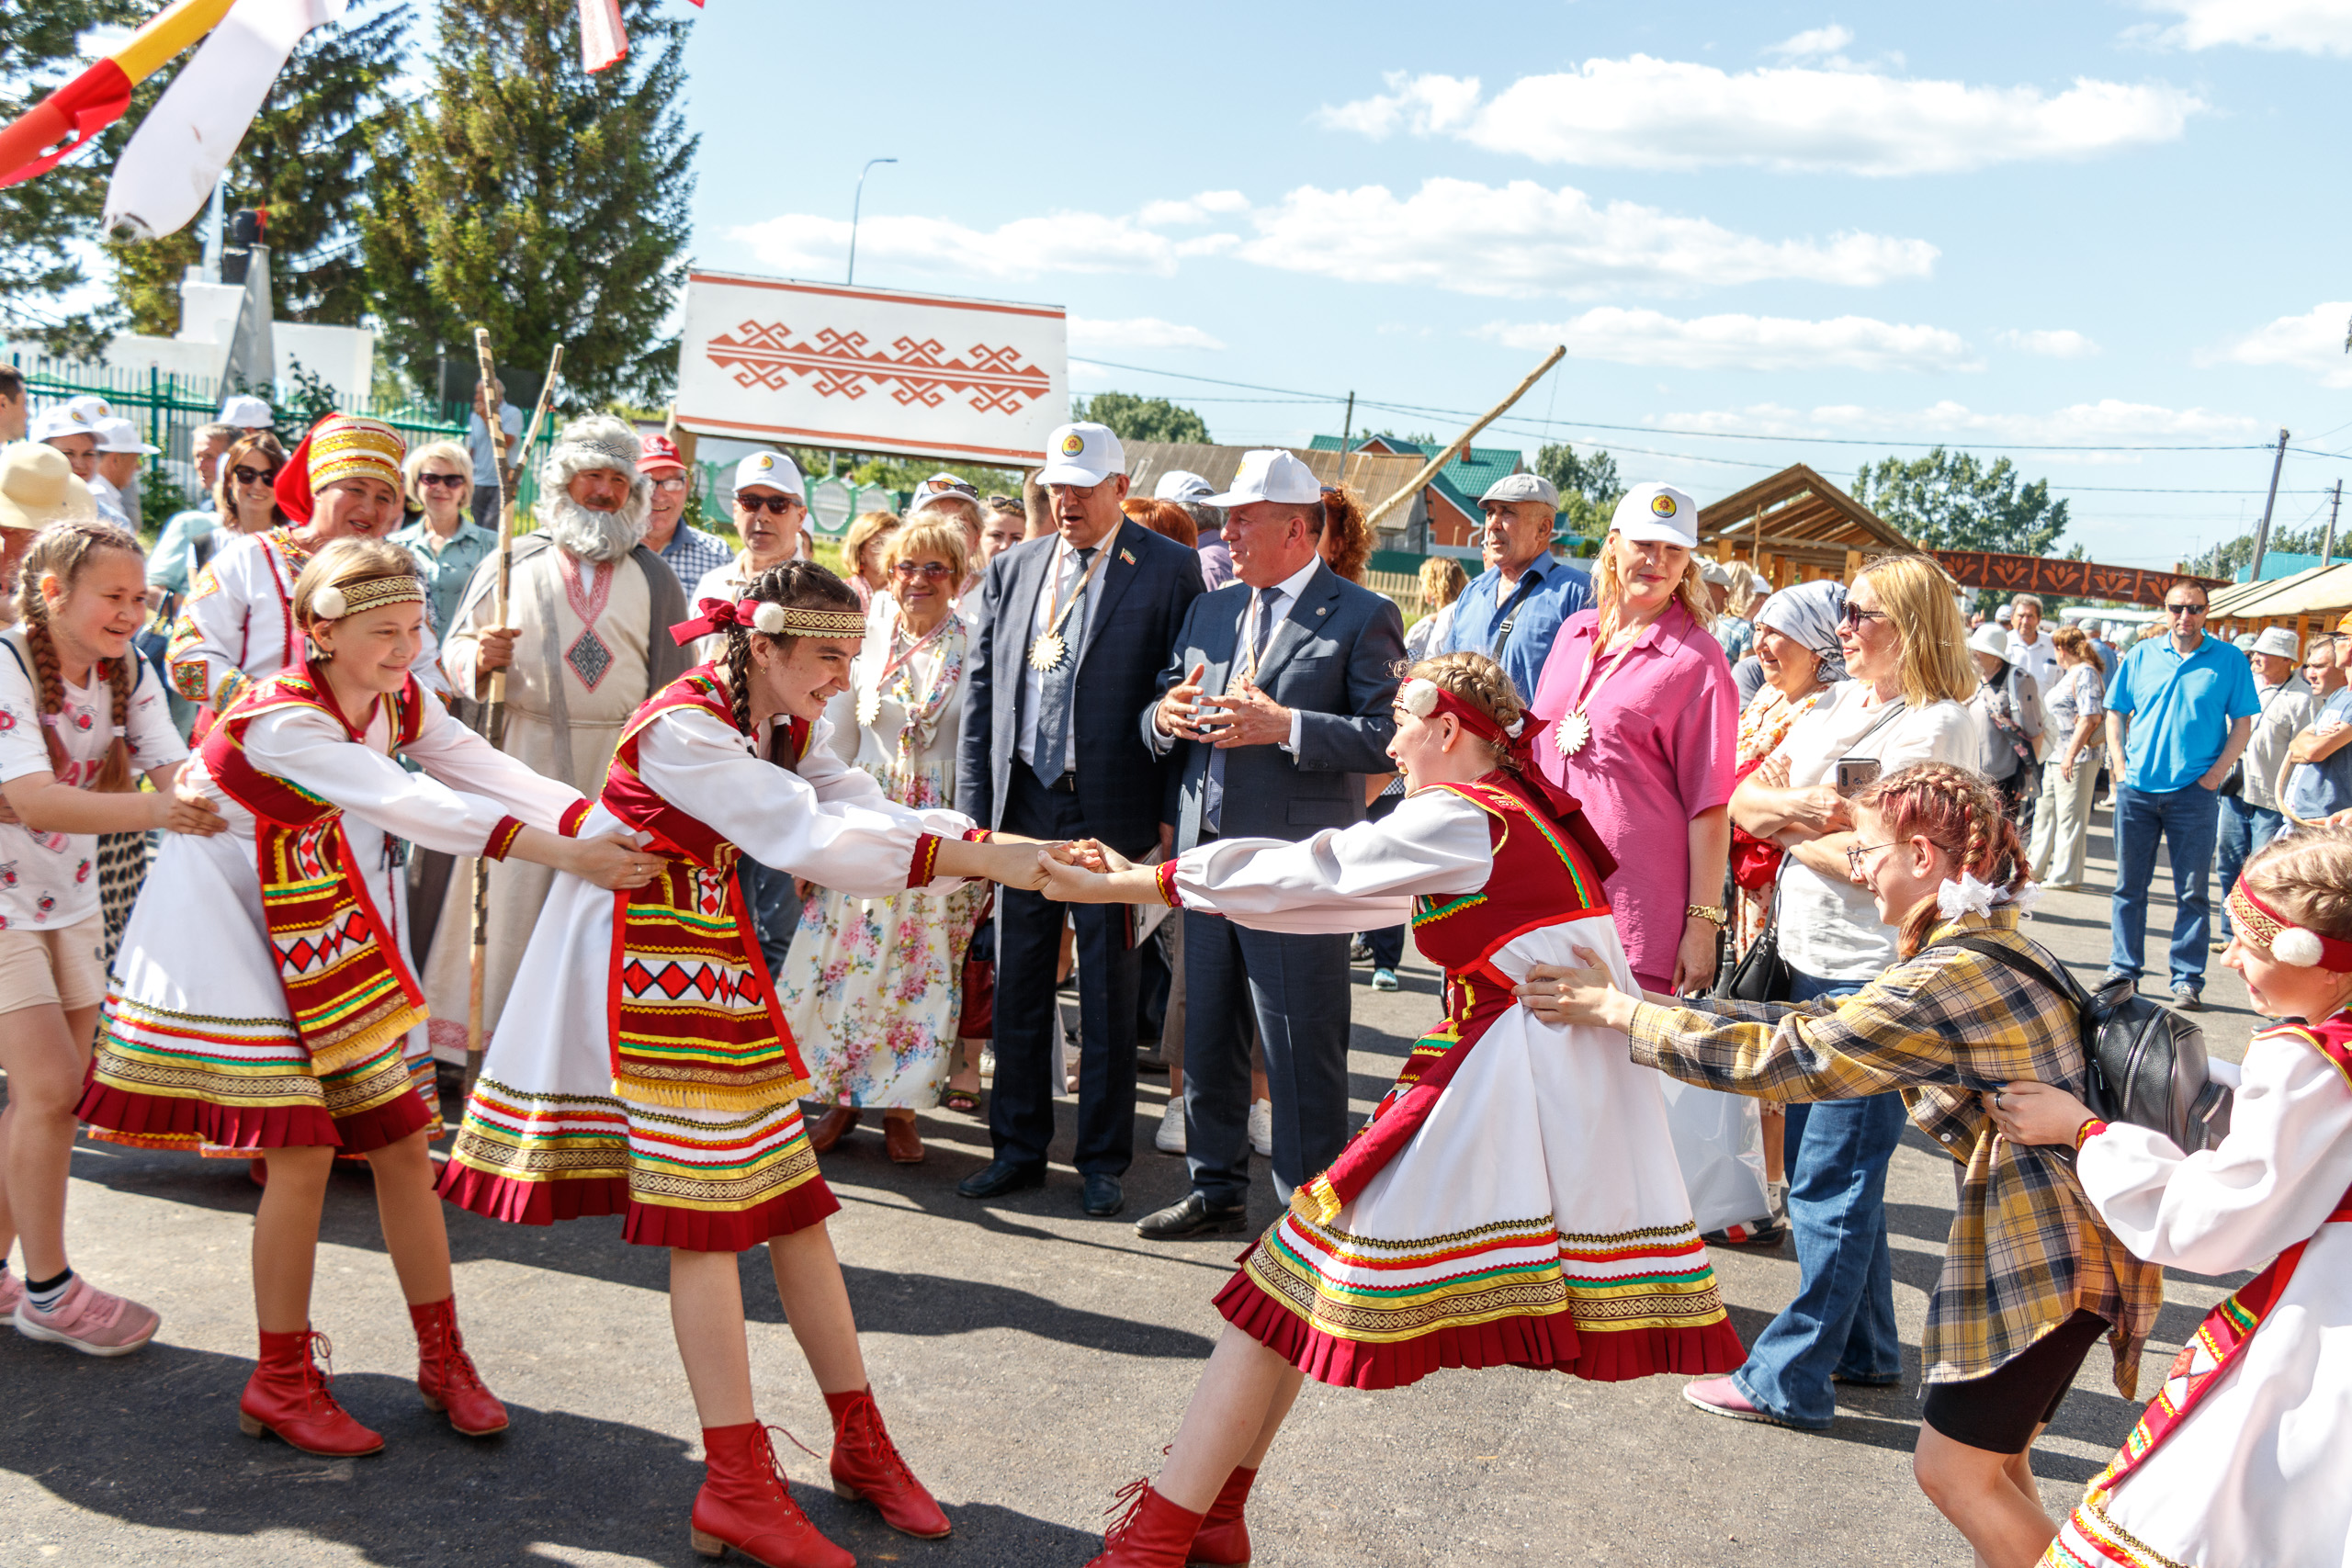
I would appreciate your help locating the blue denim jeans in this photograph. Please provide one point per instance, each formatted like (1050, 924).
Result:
(2244, 828)
(2187, 821)
(1842, 1321)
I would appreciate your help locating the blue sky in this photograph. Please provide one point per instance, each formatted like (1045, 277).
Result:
(2000, 224)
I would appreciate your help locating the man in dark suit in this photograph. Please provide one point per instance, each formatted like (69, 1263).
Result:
(1074, 629)
(1304, 666)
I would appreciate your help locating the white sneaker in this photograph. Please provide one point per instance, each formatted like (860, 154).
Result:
(1170, 1139)
(1262, 1127)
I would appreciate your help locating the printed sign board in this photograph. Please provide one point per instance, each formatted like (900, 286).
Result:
(871, 369)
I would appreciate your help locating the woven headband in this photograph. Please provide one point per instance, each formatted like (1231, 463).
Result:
(2288, 944)
(337, 600)
(767, 616)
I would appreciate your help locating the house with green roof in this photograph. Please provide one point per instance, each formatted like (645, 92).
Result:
(1452, 495)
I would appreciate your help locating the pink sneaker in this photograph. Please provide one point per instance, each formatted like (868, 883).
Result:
(89, 1320)
(12, 1290)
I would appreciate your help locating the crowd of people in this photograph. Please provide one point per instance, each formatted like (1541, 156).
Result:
(769, 848)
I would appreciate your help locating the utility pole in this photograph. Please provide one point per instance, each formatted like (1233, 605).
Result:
(1347, 431)
(2327, 545)
(2262, 534)
(854, 203)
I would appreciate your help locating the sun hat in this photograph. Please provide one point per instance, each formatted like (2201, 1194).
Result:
(1082, 454)
(1270, 474)
(38, 487)
(1989, 639)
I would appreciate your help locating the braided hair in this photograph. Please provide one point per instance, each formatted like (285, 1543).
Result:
(1956, 811)
(796, 585)
(1480, 682)
(63, 551)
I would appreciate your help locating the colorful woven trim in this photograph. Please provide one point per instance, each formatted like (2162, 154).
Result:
(821, 623)
(925, 863)
(978, 836)
(1163, 877)
(574, 816)
(503, 837)
(2087, 1131)
(2287, 943)
(352, 596)
(346, 446)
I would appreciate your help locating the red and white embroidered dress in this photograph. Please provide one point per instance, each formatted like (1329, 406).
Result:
(1515, 1200)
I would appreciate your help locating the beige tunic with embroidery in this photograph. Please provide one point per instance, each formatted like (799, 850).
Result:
(591, 721)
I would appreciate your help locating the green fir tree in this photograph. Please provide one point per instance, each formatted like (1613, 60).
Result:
(42, 218)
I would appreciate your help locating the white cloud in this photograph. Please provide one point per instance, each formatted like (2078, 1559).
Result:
(1087, 332)
(1743, 342)
(1813, 42)
(2057, 343)
(1645, 113)
(2312, 341)
(2309, 27)
(2108, 419)
(1522, 239)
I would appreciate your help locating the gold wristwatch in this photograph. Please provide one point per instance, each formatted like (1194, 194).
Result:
(1714, 914)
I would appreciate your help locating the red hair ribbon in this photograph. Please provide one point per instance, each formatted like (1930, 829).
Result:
(713, 615)
(1528, 782)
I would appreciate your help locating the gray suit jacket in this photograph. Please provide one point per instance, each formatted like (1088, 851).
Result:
(1334, 659)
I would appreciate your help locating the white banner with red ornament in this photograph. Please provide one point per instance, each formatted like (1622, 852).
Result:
(872, 369)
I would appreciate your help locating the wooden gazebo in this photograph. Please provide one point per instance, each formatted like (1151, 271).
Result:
(1795, 527)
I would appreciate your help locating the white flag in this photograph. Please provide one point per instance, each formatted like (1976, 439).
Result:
(166, 173)
(603, 39)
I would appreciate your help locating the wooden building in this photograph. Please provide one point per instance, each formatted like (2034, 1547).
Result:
(1795, 527)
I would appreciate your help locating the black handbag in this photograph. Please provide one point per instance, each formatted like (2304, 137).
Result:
(1760, 975)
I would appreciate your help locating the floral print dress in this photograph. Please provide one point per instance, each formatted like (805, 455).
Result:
(873, 986)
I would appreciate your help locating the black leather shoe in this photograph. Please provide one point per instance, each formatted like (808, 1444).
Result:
(998, 1176)
(1105, 1197)
(1192, 1216)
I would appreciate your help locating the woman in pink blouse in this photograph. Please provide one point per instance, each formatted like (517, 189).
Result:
(1639, 718)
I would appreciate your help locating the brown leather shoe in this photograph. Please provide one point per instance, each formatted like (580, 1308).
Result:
(901, 1141)
(831, 1127)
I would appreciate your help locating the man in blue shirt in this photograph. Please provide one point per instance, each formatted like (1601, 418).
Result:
(2322, 786)
(2187, 705)
(1512, 611)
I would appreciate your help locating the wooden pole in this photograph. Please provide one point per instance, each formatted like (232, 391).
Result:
(1412, 487)
(2262, 534)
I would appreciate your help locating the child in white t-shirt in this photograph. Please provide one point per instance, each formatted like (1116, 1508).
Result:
(81, 716)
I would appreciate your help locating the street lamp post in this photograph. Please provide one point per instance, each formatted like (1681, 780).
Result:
(855, 201)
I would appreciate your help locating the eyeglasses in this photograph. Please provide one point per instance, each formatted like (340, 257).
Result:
(1854, 856)
(775, 505)
(1083, 492)
(933, 571)
(2184, 609)
(1854, 616)
(245, 476)
(675, 482)
(430, 481)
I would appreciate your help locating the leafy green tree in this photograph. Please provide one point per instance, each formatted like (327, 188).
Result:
(41, 219)
(546, 204)
(1141, 419)
(306, 159)
(1953, 501)
(2226, 558)
(1589, 487)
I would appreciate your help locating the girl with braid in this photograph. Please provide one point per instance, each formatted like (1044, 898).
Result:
(262, 999)
(82, 718)
(656, 1078)
(2032, 1275)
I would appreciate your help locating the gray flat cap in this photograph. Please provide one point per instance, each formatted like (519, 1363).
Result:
(1523, 487)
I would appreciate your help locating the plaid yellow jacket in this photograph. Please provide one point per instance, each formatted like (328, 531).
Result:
(2027, 1248)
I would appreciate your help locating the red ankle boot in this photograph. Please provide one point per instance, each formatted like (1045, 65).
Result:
(744, 1504)
(445, 1375)
(1154, 1533)
(866, 1465)
(1223, 1540)
(288, 1395)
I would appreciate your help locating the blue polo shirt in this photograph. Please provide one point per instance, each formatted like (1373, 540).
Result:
(2181, 710)
(1546, 593)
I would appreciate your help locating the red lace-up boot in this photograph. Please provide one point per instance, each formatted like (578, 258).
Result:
(866, 1465)
(1153, 1533)
(445, 1375)
(1223, 1540)
(744, 1504)
(288, 1395)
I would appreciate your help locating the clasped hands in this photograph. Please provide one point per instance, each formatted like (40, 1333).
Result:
(1241, 716)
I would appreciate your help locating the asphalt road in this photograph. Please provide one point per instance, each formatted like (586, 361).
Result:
(1030, 1361)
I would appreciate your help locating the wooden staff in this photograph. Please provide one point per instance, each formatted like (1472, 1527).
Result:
(1412, 487)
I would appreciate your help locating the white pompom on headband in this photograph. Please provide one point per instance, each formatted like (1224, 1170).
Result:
(1419, 698)
(769, 618)
(335, 600)
(329, 604)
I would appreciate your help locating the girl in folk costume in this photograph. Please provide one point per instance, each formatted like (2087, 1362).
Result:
(2243, 1456)
(81, 717)
(1514, 1200)
(872, 985)
(285, 1022)
(655, 1076)
(239, 626)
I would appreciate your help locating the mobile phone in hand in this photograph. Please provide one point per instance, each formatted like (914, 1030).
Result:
(1856, 774)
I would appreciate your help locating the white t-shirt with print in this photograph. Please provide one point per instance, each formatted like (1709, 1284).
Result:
(1830, 930)
(51, 880)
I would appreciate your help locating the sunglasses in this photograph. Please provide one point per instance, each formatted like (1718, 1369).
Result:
(2184, 609)
(775, 505)
(1004, 503)
(245, 476)
(430, 481)
(1854, 616)
(931, 570)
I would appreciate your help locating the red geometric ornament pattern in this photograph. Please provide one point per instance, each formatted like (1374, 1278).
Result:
(844, 365)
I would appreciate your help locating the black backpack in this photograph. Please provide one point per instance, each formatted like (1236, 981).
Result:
(2145, 1063)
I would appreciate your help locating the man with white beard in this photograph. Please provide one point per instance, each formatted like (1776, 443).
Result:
(586, 640)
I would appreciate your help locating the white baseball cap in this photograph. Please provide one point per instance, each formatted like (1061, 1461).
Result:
(772, 469)
(1081, 454)
(2005, 614)
(1181, 484)
(1270, 474)
(1656, 514)
(2277, 642)
(1715, 573)
(246, 413)
(121, 435)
